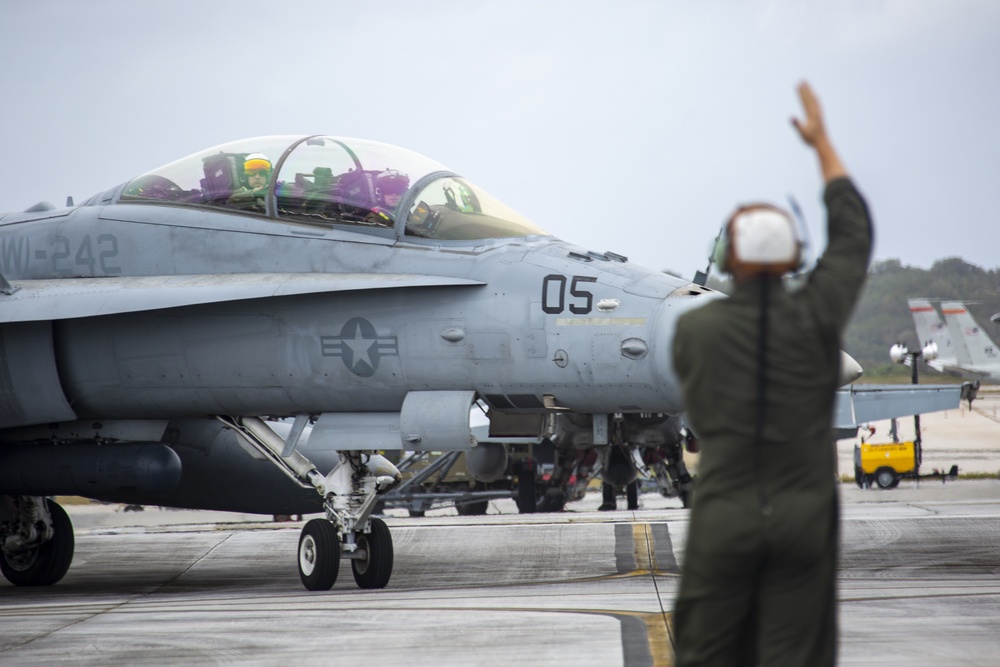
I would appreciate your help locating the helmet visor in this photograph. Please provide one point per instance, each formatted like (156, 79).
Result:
(256, 164)
(393, 186)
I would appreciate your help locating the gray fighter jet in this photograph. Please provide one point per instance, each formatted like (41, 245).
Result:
(367, 296)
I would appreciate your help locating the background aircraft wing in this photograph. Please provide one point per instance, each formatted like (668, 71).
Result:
(65, 298)
(874, 402)
(961, 370)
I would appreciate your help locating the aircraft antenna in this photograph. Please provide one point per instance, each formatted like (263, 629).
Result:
(701, 277)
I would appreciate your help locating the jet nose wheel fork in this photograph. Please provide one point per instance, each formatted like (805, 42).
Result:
(349, 495)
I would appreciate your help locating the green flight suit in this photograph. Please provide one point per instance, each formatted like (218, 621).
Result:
(758, 580)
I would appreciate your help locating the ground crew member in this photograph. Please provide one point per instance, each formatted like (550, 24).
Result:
(758, 372)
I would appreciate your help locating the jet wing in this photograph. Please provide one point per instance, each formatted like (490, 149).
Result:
(866, 403)
(65, 298)
(959, 369)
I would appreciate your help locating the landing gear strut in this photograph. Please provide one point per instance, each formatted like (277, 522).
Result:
(672, 476)
(349, 494)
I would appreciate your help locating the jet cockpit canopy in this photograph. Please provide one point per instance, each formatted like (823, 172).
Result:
(332, 181)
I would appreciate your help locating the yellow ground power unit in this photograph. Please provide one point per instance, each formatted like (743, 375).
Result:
(884, 464)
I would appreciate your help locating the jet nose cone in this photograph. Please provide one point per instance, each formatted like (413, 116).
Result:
(668, 311)
(850, 370)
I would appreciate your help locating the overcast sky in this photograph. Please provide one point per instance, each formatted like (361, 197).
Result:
(627, 126)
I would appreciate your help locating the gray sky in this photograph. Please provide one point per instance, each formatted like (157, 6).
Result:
(627, 126)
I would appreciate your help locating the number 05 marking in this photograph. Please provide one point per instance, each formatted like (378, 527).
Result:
(554, 294)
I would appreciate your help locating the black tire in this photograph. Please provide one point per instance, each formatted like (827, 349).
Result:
(526, 499)
(319, 555)
(552, 503)
(375, 570)
(477, 508)
(49, 562)
(886, 478)
(632, 495)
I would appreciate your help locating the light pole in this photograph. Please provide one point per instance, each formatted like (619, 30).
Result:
(901, 354)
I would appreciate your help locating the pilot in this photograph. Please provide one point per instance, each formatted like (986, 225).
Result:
(257, 170)
(389, 188)
(758, 374)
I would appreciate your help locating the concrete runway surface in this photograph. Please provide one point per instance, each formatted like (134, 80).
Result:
(919, 585)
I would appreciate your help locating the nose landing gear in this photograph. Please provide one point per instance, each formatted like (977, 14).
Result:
(349, 494)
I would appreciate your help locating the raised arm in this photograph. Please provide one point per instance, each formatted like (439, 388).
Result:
(840, 272)
(813, 132)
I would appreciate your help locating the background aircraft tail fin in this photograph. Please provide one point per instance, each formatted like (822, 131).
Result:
(931, 329)
(982, 351)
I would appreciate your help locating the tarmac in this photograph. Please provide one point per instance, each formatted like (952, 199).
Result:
(919, 581)
(919, 585)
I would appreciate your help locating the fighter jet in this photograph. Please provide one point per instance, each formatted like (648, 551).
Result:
(244, 328)
(977, 355)
(963, 349)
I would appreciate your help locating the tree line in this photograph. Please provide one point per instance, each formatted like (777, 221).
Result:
(882, 316)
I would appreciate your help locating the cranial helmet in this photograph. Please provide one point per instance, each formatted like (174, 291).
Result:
(390, 182)
(256, 162)
(759, 239)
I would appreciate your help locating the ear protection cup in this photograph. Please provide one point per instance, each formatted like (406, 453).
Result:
(720, 253)
(763, 245)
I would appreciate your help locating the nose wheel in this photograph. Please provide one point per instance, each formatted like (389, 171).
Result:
(375, 567)
(320, 553)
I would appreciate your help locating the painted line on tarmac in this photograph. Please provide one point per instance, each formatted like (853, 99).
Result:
(645, 549)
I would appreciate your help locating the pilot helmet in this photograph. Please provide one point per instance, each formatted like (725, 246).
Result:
(759, 239)
(256, 162)
(390, 182)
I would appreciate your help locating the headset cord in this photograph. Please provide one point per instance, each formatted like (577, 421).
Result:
(765, 285)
